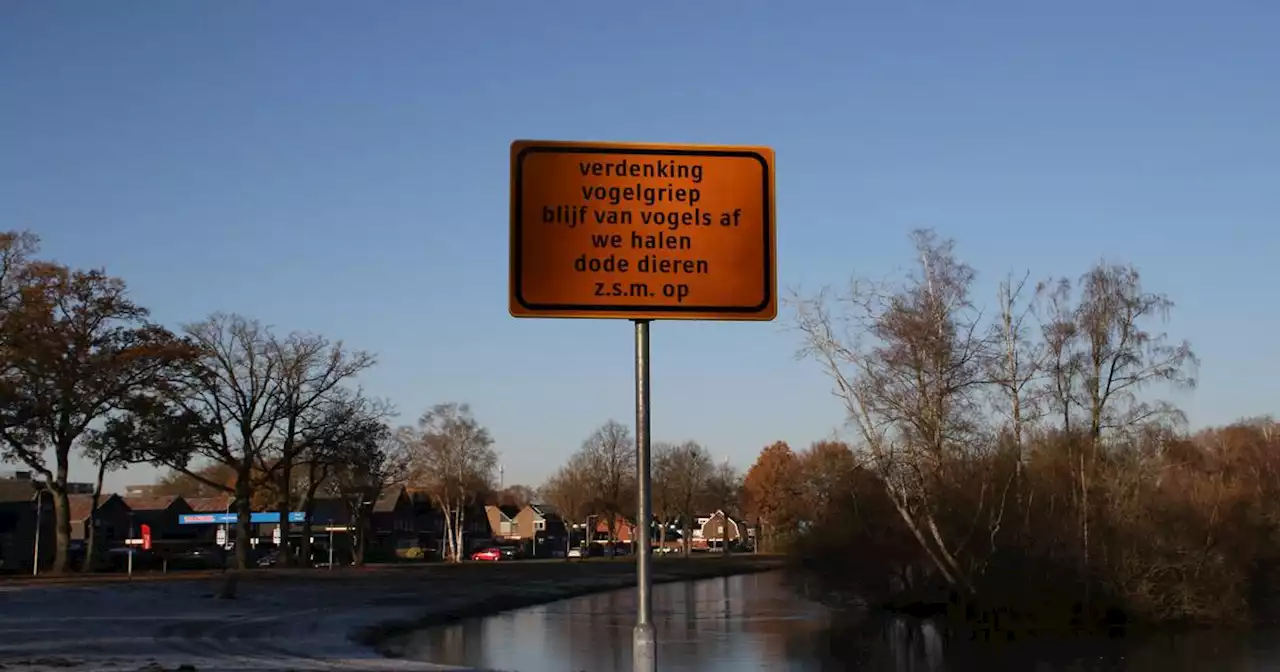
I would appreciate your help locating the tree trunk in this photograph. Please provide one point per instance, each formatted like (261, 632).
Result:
(62, 529)
(460, 546)
(62, 510)
(309, 511)
(90, 527)
(446, 515)
(244, 508)
(283, 506)
(362, 538)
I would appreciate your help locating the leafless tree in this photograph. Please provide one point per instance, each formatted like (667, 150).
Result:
(690, 470)
(1016, 359)
(229, 405)
(1063, 362)
(666, 507)
(310, 371)
(907, 361)
(1120, 356)
(347, 429)
(452, 459)
(368, 459)
(567, 491)
(609, 455)
(723, 492)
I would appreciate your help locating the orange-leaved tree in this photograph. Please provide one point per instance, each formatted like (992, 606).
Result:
(771, 494)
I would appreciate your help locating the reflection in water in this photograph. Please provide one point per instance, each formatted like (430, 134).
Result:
(758, 622)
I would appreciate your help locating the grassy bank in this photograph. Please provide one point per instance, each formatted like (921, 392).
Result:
(497, 587)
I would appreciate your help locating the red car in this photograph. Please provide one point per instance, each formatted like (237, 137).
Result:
(490, 554)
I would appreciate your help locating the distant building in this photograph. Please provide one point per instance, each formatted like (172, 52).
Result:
(29, 477)
(140, 490)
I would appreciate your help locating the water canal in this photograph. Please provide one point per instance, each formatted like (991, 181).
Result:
(760, 622)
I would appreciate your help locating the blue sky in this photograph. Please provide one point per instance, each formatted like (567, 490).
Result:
(343, 168)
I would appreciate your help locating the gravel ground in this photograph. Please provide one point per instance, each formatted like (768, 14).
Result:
(286, 619)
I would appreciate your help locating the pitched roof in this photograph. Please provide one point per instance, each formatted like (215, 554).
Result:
(82, 506)
(150, 503)
(387, 501)
(16, 490)
(509, 510)
(545, 510)
(214, 504)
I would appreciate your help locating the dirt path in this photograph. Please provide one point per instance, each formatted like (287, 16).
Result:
(286, 620)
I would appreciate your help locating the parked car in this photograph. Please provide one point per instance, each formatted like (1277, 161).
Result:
(210, 557)
(117, 559)
(488, 554)
(575, 552)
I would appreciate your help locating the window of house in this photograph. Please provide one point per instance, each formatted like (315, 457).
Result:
(540, 525)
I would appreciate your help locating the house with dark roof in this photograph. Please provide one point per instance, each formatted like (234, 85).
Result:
(502, 521)
(162, 513)
(544, 526)
(18, 525)
(211, 504)
(393, 520)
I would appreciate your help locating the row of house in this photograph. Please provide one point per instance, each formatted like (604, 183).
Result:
(543, 526)
(401, 520)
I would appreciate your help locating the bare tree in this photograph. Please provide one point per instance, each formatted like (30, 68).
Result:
(567, 491)
(368, 459)
(1062, 361)
(515, 495)
(907, 360)
(311, 369)
(610, 458)
(1121, 357)
(453, 460)
(227, 409)
(690, 470)
(723, 492)
(336, 435)
(666, 504)
(1016, 360)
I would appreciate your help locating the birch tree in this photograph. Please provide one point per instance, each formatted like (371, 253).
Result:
(907, 360)
(452, 459)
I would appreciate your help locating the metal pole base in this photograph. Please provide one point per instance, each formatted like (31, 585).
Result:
(644, 649)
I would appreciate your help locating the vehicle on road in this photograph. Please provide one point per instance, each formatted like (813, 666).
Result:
(575, 552)
(488, 554)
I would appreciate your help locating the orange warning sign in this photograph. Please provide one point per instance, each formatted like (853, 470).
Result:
(642, 232)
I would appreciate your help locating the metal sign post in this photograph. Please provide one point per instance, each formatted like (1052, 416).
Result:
(644, 649)
(642, 232)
